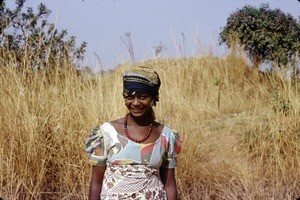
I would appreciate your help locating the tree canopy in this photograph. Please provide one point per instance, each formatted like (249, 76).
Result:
(265, 34)
(31, 38)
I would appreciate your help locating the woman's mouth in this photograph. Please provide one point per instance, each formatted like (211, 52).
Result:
(136, 110)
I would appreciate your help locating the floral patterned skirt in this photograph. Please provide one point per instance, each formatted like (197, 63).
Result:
(132, 182)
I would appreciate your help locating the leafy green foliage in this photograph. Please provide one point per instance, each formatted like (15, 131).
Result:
(280, 104)
(33, 40)
(265, 34)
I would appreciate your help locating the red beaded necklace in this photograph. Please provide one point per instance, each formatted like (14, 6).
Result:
(135, 140)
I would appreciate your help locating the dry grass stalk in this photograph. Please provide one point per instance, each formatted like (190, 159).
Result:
(237, 144)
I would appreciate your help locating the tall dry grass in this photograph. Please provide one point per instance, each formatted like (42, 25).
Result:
(240, 128)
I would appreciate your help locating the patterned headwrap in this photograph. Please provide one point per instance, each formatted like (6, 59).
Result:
(141, 80)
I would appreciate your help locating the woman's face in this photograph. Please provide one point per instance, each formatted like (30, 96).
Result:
(138, 104)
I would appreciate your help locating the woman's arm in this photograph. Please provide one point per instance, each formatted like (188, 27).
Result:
(168, 179)
(96, 182)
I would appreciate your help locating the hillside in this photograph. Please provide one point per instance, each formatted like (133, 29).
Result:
(240, 128)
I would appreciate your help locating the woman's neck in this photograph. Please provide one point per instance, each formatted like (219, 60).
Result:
(144, 120)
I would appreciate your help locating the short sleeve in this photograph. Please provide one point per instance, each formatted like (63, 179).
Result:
(173, 150)
(95, 145)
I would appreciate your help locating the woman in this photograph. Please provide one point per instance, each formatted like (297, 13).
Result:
(134, 157)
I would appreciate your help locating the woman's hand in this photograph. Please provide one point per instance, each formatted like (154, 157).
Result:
(96, 182)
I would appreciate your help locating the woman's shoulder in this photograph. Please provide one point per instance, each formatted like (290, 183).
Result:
(101, 129)
(167, 130)
(171, 134)
(117, 123)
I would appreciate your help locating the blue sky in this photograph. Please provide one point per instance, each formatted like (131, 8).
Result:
(191, 25)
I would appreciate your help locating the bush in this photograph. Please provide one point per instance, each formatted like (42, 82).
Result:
(265, 34)
(31, 39)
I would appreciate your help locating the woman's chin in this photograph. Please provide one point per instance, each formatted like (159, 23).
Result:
(137, 113)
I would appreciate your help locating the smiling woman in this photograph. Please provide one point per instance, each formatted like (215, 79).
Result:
(138, 103)
(134, 157)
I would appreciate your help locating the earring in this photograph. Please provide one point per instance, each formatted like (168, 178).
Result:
(153, 103)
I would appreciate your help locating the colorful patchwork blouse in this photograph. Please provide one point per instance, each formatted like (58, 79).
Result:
(106, 145)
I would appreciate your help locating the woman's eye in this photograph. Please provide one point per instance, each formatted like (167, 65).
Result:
(128, 98)
(144, 97)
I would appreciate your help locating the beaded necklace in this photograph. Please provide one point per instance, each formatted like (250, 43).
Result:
(131, 138)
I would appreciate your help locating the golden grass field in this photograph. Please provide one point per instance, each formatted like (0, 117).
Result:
(241, 129)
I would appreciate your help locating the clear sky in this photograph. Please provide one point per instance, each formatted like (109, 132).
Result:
(184, 27)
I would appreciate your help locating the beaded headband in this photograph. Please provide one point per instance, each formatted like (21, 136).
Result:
(141, 80)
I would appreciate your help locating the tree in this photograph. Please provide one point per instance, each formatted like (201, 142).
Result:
(264, 34)
(33, 40)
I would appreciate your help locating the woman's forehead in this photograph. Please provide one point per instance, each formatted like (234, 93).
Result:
(139, 94)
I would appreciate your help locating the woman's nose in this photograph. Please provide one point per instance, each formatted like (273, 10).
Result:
(136, 102)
